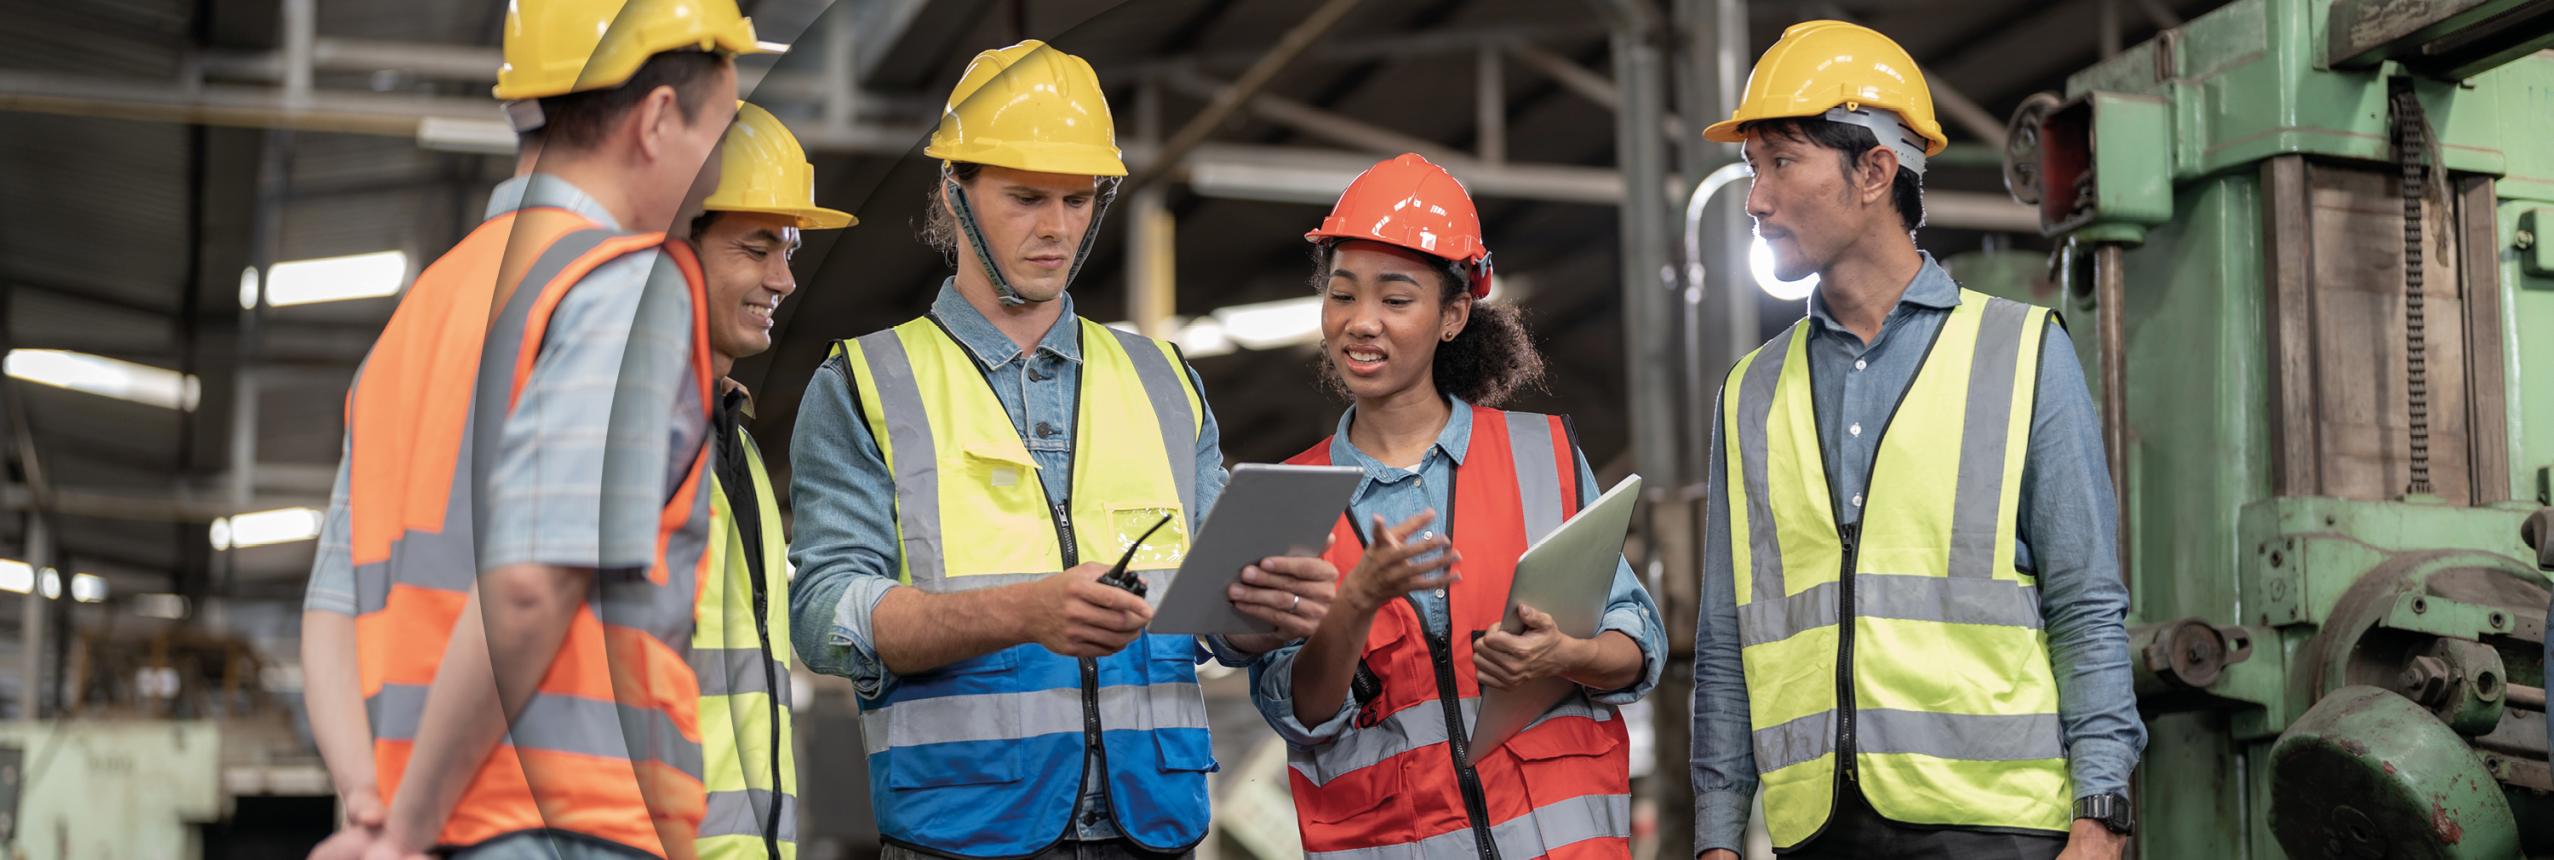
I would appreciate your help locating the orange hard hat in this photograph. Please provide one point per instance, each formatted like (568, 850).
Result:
(1410, 202)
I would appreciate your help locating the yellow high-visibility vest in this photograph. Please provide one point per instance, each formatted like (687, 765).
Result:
(1951, 717)
(741, 653)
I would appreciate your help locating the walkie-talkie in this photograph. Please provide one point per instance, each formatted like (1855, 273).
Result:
(1118, 576)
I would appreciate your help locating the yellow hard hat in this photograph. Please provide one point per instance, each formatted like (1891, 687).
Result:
(1029, 107)
(1820, 65)
(557, 47)
(763, 169)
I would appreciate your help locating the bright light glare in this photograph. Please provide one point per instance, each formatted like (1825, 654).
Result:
(1273, 325)
(169, 606)
(1201, 337)
(265, 527)
(105, 377)
(248, 288)
(336, 279)
(17, 577)
(1760, 260)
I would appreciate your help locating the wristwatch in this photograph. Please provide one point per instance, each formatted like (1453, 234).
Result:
(2112, 810)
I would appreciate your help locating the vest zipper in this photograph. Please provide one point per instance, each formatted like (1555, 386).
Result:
(1850, 537)
(1475, 803)
(1090, 670)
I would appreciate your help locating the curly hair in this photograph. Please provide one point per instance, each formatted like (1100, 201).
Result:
(938, 229)
(1491, 359)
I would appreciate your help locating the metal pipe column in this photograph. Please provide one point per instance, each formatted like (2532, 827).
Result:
(1649, 313)
(31, 617)
(2110, 322)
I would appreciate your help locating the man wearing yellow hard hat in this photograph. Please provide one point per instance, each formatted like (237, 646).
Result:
(522, 513)
(746, 235)
(961, 483)
(1912, 637)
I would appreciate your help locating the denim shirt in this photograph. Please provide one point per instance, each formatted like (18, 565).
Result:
(844, 496)
(2067, 538)
(1397, 494)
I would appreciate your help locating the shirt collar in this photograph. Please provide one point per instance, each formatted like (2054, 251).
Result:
(1932, 288)
(507, 197)
(992, 348)
(541, 190)
(1453, 442)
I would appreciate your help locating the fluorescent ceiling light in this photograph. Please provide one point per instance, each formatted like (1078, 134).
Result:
(169, 606)
(17, 577)
(105, 377)
(1273, 325)
(281, 525)
(1760, 260)
(336, 279)
(1202, 337)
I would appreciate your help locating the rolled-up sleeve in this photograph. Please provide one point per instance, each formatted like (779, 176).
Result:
(1272, 688)
(1724, 755)
(2069, 530)
(843, 502)
(1630, 611)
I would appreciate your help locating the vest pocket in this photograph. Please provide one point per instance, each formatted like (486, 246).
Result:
(1178, 707)
(1163, 550)
(1354, 799)
(969, 737)
(1570, 757)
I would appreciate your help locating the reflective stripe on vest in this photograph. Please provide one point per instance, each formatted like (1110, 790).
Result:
(609, 745)
(983, 757)
(1390, 785)
(1954, 708)
(738, 733)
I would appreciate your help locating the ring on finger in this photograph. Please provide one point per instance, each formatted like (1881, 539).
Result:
(1297, 599)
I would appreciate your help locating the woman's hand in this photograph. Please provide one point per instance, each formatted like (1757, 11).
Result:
(1503, 660)
(1391, 567)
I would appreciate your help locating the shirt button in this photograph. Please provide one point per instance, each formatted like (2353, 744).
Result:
(1857, 500)
(1856, 429)
(1859, 364)
(1036, 375)
(1440, 594)
(1047, 431)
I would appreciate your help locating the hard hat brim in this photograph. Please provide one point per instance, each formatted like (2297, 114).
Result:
(808, 218)
(1049, 158)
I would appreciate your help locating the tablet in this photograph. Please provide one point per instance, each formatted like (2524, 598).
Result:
(1265, 511)
(1569, 575)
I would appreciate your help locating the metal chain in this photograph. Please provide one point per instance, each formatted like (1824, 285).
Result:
(2409, 143)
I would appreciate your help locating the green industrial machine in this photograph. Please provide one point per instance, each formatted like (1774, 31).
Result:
(2304, 259)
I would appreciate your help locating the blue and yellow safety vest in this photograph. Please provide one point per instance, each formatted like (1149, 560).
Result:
(984, 757)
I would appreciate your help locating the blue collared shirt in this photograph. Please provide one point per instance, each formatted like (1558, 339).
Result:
(2067, 538)
(844, 496)
(1397, 494)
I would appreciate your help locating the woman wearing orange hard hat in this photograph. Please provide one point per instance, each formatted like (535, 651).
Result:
(1375, 706)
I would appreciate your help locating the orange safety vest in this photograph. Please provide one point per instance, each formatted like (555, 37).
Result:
(1395, 783)
(609, 747)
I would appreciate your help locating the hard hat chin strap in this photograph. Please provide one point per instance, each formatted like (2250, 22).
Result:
(1002, 290)
(1892, 131)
